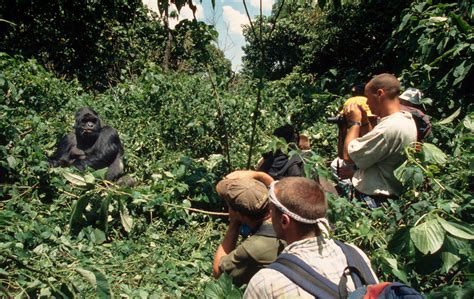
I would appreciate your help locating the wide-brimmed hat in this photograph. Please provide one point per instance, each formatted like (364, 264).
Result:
(245, 195)
(412, 95)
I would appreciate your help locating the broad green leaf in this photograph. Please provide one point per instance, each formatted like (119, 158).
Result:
(463, 291)
(438, 19)
(11, 162)
(186, 203)
(222, 289)
(103, 289)
(433, 154)
(460, 72)
(45, 293)
(450, 118)
(409, 175)
(75, 179)
(88, 275)
(97, 236)
(428, 237)
(100, 173)
(456, 229)
(400, 240)
(468, 123)
(89, 179)
(449, 260)
(98, 280)
(76, 220)
(104, 214)
(126, 219)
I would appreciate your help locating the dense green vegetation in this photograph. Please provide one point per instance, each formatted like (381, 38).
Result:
(184, 128)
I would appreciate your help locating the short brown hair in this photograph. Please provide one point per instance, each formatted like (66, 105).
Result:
(387, 82)
(303, 197)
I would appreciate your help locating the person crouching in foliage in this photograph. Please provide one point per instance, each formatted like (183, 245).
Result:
(247, 200)
(278, 164)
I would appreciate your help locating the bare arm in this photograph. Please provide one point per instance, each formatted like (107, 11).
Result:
(228, 244)
(353, 113)
(257, 175)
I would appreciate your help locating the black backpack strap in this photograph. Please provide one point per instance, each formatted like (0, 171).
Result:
(354, 259)
(294, 160)
(304, 276)
(357, 267)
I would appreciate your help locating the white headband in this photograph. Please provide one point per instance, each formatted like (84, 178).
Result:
(322, 223)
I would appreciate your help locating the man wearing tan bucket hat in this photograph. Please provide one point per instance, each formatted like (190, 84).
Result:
(247, 200)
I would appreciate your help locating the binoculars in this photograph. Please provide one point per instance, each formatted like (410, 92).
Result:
(338, 120)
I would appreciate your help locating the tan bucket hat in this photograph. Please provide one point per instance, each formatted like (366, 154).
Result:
(245, 195)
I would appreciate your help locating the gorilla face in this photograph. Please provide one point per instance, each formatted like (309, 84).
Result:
(87, 124)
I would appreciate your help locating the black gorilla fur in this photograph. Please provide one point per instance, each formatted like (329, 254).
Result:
(90, 145)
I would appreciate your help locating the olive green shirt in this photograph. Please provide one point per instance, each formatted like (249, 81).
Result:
(253, 254)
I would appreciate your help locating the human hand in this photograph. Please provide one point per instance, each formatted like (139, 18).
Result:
(234, 217)
(346, 172)
(240, 174)
(353, 112)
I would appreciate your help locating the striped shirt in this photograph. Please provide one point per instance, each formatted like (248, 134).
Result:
(323, 255)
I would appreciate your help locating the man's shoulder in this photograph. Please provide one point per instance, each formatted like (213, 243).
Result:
(397, 117)
(264, 249)
(395, 123)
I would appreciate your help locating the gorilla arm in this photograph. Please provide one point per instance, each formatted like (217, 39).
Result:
(62, 156)
(107, 151)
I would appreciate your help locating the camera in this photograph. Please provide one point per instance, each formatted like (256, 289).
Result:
(338, 120)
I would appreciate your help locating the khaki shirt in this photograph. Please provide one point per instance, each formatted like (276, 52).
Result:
(257, 251)
(378, 153)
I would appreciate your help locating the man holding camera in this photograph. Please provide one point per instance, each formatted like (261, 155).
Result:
(380, 149)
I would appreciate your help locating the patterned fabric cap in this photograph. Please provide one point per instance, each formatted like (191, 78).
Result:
(412, 95)
(359, 100)
(244, 194)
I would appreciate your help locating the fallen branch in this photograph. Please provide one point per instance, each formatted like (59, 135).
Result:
(197, 210)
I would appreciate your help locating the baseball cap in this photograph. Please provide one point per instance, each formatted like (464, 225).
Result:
(359, 100)
(412, 95)
(245, 195)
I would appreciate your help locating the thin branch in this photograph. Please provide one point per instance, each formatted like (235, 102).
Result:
(261, 66)
(67, 193)
(221, 118)
(197, 210)
(276, 18)
(251, 24)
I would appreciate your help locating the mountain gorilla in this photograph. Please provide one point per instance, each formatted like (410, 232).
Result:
(90, 145)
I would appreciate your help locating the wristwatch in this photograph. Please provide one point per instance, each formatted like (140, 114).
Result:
(353, 123)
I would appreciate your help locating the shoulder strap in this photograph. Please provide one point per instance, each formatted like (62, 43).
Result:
(294, 160)
(357, 267)
(355, 260)
(304, 276)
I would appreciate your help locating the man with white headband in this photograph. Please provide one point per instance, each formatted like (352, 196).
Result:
(298, 210)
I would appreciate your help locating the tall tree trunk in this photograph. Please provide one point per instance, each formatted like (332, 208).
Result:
(169, 43)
